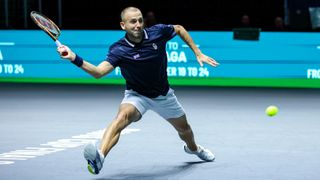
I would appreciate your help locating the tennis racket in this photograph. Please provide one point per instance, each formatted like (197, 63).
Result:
(47, 26)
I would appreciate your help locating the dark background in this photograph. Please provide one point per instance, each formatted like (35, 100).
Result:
(214, 15)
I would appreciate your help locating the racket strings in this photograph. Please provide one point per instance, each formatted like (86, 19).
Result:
(46, 24)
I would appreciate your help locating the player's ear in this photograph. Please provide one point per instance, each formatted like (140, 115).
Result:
(122, 25)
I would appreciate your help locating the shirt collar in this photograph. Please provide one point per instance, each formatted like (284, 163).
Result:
(132, 44)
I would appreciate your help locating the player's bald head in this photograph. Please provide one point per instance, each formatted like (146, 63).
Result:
(126, 10)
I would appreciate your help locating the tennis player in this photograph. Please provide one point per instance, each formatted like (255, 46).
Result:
(141, 56)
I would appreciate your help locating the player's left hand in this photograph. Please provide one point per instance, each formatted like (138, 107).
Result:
(202, 58)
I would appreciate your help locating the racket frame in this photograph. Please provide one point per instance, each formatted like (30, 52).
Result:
(54, 36)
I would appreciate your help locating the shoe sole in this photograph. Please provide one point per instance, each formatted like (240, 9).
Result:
(88, 155)
(91, 170)
(90, 152)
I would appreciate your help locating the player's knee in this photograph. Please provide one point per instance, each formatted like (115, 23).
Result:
(122, 116)
(121, 120)
(128, 115)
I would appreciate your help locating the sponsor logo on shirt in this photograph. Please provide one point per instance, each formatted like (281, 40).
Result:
(154, 45)
(136, 56)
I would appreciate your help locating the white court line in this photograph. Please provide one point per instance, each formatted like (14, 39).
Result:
(7, 43)
(54, 146)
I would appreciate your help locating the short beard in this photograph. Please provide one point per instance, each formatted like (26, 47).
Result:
(136, 37)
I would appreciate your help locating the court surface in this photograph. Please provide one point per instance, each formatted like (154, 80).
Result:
(43, 129)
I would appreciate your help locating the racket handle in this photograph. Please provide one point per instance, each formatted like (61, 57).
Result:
(59, 44)
(64, 53)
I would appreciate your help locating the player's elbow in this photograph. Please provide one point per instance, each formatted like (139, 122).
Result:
(103, 69)
(178, 28)
(97, 75)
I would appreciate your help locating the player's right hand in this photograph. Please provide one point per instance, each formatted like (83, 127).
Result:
(65, 49)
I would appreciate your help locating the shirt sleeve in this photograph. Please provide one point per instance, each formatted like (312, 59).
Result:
(112, 58)
(167, 31)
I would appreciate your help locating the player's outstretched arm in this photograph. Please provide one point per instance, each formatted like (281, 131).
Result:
(201, 58)
(99, 71)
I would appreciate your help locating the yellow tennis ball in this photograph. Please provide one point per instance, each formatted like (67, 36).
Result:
(272, 110)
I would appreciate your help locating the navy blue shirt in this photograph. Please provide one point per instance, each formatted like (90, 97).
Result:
(144, 65)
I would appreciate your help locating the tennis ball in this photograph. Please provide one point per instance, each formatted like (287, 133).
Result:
(272, 110)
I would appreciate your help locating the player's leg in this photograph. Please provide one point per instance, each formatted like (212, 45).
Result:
(186, 134)
(184, 130)
(170, 109)
(127, 114)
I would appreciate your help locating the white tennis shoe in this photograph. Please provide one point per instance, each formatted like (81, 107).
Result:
(202, 153)
(94, 157)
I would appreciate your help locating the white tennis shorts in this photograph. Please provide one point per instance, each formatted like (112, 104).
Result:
(166, 106)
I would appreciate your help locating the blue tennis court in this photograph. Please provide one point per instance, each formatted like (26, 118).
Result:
(45, 127)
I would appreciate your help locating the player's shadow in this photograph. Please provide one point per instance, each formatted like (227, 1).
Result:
(155, 173)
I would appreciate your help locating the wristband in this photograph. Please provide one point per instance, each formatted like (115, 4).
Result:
(78, 61)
